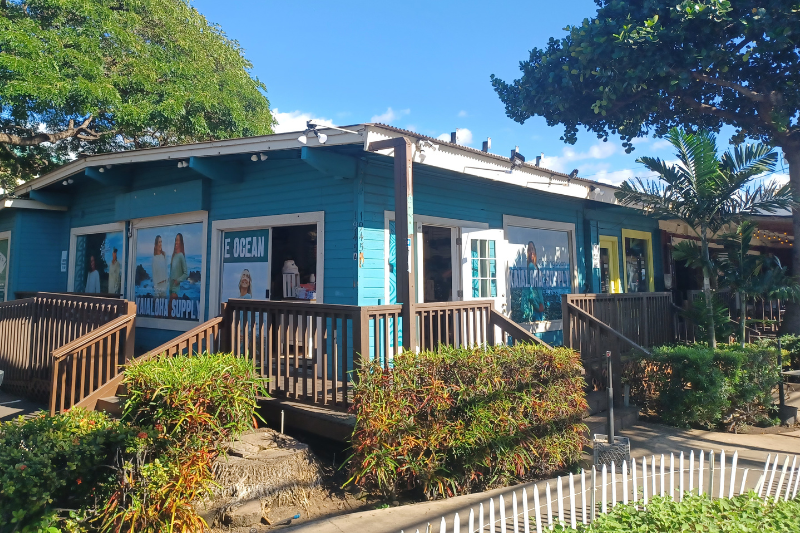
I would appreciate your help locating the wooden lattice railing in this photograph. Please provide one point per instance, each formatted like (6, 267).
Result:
(33, 328)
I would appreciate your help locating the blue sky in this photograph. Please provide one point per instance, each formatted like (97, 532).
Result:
(418, 65)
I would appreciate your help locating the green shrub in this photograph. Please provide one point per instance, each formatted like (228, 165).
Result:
(200, 401)
(50, 463)
(189, 406)
(694, 386)
(454, 421)
(699, 513)
(790, 344)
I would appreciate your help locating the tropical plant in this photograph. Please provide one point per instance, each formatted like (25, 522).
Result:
(746, 512)
(88, 76)
(458, 420)
(707, 192)
(752, 275)
(636, 68)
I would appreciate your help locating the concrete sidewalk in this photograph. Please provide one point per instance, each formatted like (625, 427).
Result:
(13, 406)
(646, 440)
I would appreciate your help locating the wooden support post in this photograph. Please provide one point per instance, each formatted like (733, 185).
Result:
(404, 233)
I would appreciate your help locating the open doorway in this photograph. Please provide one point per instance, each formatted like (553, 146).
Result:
(297, 244)
(437, 263)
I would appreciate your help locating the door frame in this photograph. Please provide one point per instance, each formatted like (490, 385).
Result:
(646, 236)
(612, 243)
(455, 225)
(6, 235)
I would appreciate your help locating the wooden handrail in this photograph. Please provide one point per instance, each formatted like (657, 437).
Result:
(505, 324)
(164, 348)
(605, 327)
(85, 340)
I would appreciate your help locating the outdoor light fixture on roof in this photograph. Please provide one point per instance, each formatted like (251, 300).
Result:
(313, 129)
(517, 159)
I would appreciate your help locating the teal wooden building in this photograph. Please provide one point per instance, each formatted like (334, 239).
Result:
(181, 229)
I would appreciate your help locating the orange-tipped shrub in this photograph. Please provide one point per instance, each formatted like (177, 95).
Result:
(456, 421)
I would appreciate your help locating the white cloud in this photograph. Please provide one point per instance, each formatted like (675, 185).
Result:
(411, 127)
(389, 116)
(296, 120)
(661, 144)
(462, 114)
(565, 162)
(463, 137)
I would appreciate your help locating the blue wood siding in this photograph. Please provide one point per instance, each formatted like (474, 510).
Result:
(37, 240)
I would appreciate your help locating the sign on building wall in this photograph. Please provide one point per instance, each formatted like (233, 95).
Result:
(98, 263)
(245, 265)
(538, 273)
(168, 274)
(3, 268)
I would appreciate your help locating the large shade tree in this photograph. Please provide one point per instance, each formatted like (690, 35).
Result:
(83, 76)
(644, 66)
(707, 192)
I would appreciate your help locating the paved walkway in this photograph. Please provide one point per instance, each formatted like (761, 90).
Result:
(646, 439)
(13, 406)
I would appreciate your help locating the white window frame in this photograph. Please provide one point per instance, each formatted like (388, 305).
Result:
(114, 227)
(426, 220)
(157, 222)
(3, 236)
(569, 228)
(219, 227)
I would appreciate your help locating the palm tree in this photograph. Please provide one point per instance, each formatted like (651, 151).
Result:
(707, 192)
(750, 275)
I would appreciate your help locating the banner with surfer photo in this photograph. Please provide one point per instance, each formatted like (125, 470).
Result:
(539, 273)
(168, 271)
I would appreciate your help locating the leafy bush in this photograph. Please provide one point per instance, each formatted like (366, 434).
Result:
(697, 313)
(200, 400)
(454, 421)
(699, 513)
(790, 344)
(50, 463)
(191, 405)
(695, 386)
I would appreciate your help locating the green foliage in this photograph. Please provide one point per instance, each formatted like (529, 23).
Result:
(124, 73)
(455, 421)
(637, 67)
(697, 314)
(790, 345)
(51, 463)
(191, 404)
(200, 401)
(695, 386)
(741, 514)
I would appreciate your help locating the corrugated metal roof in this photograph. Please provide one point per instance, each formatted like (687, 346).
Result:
(481, 152)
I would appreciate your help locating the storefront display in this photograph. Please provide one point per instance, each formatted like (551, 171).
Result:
(245, 265)
(98, 263)
(3, 269)
(168, 273)
(539, 273)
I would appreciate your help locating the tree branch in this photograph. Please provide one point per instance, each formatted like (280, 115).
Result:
(707, 109)
(741, 89)
(82, 132)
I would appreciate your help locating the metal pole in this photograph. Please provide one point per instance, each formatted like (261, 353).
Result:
(781, 393)
(610, 401)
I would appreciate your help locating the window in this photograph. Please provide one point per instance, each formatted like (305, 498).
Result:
(167, 270)
(273, 257)
(5, 248)
(484, 269)
(97, 260)
(609, 265)
(638, 261)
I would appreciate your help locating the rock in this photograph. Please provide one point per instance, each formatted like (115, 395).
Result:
(242, 515)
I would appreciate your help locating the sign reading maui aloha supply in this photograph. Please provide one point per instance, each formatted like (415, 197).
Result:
(167, 279)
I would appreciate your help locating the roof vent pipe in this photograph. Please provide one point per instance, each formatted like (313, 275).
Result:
(487, 145)
(454, 137)
(539, 159)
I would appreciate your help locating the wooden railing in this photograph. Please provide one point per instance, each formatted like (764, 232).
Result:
(306, 351)
(764, 316)
(506, 331)
(207, 337)
(87, 364)
(587, 331)
(34, 327)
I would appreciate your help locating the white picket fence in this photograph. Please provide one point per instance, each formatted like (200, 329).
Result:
(717, 480)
